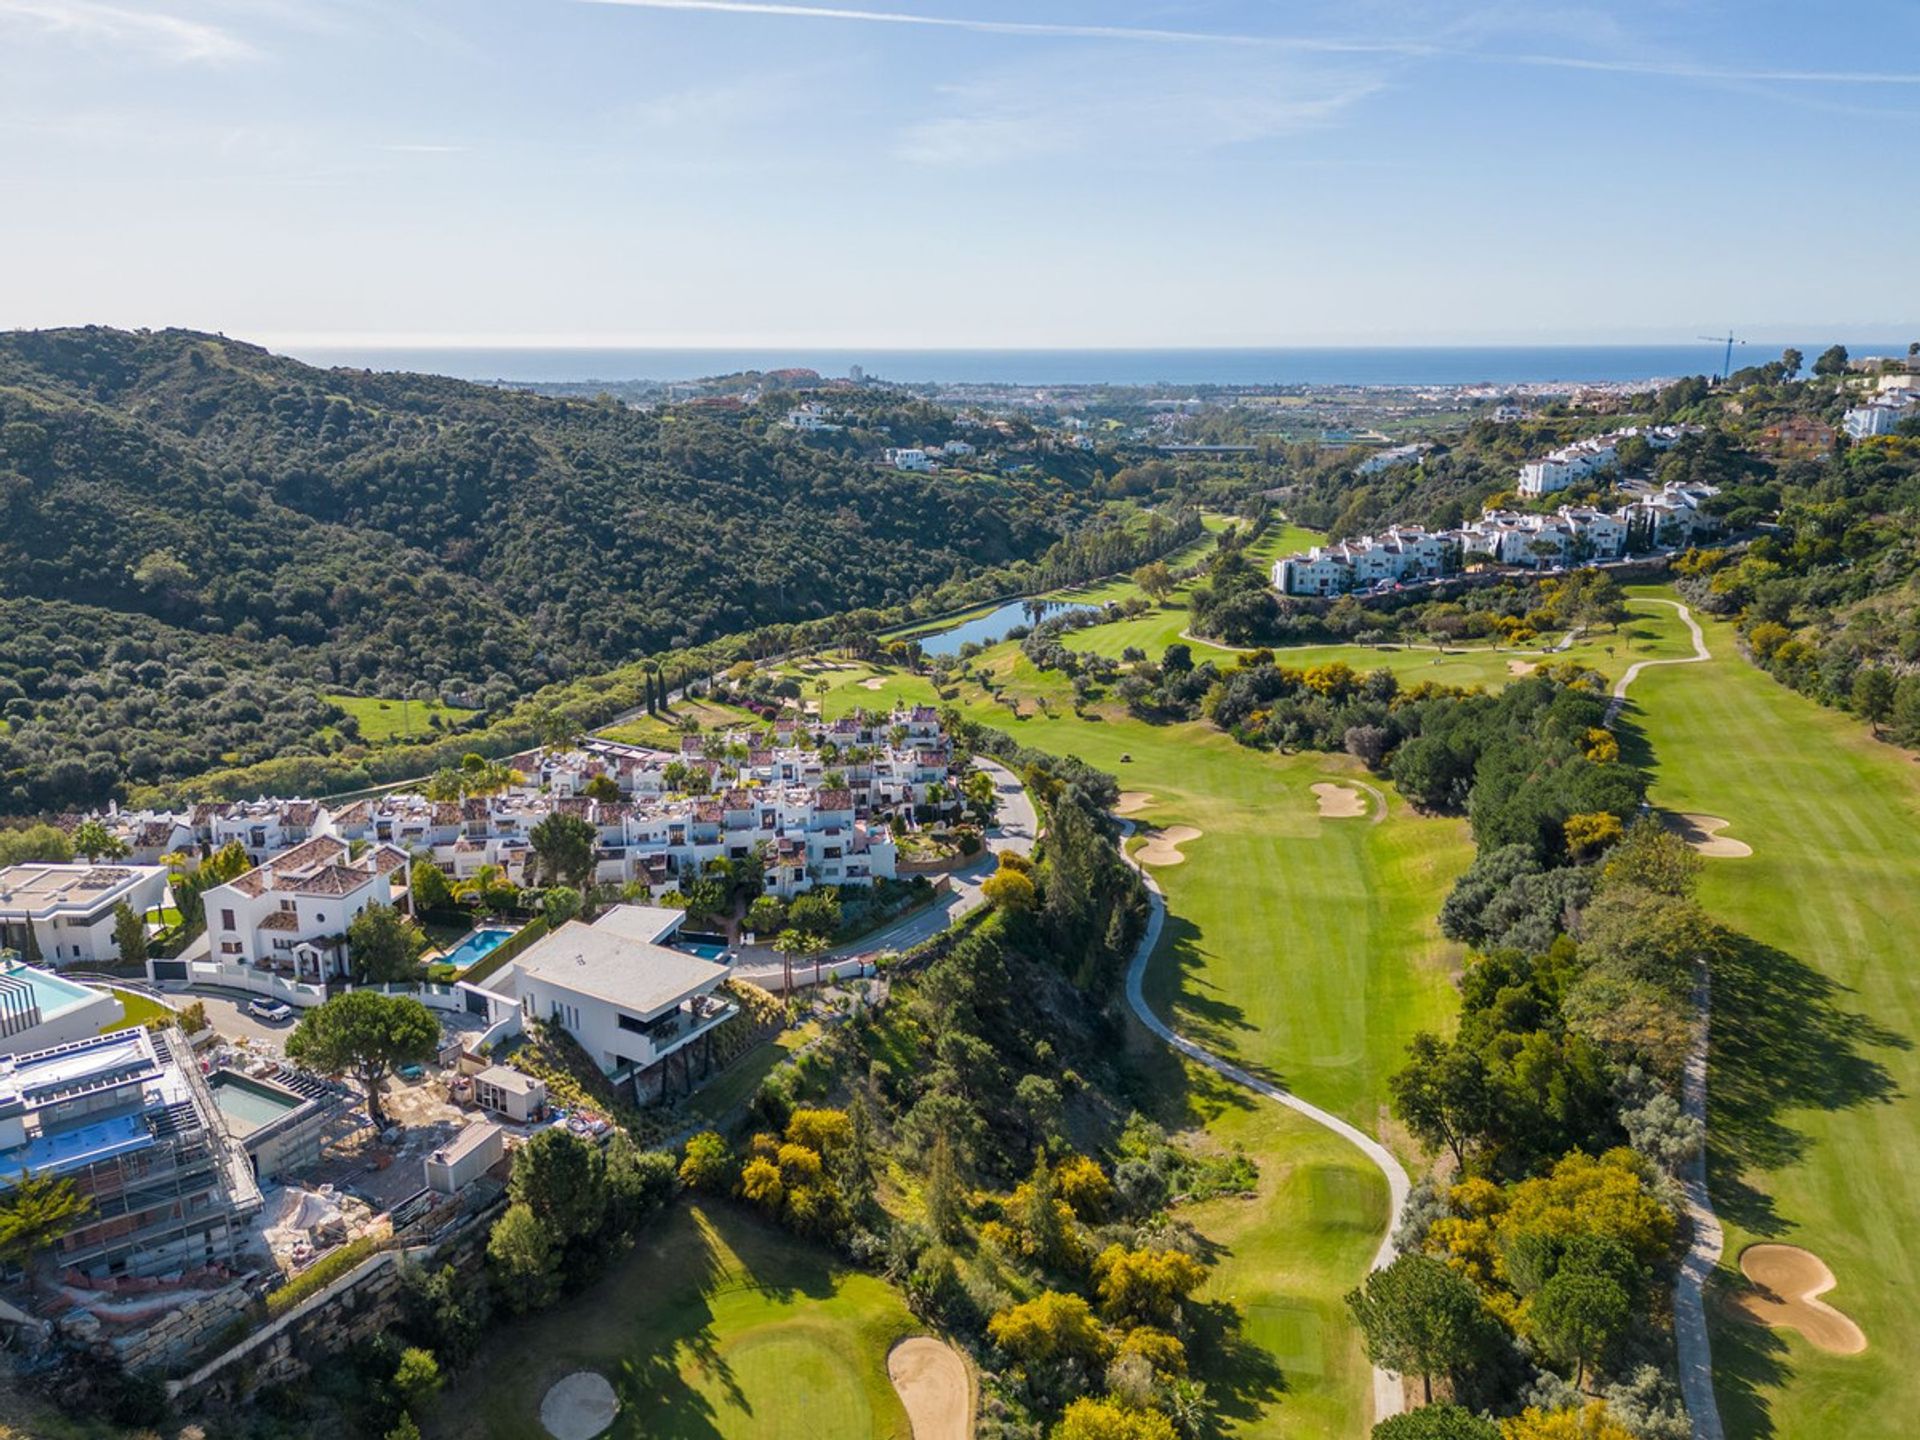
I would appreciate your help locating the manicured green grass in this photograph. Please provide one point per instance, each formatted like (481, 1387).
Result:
(1305, 949)
(1814, 1127)
(382, 720)
(734, 1086)
(716, 1327)
(139, 1010)
(1273, 1341)
(663, 731)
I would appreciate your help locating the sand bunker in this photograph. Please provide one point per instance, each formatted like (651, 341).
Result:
(1787, 1281)
(1163, 846)
(1339, 802)
(1132, 802)
(931, 1379)
(579, 1407)
(874, 682)
(1702, 833)
(1522, 667)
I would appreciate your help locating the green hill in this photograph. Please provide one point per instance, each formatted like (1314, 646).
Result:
(200, 540)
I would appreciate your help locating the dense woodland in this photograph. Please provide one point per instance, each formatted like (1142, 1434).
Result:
(199, 540)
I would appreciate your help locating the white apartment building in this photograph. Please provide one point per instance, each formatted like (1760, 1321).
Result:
(291, 913)
(1570, 464)
(64, 913)
(1573, 534)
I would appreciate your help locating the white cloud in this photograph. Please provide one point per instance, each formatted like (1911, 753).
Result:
(1126, 111)
(170, 38)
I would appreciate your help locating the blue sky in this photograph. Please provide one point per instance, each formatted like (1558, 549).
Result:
(961, 172)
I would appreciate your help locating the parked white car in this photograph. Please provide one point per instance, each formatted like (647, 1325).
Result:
(271, 1010)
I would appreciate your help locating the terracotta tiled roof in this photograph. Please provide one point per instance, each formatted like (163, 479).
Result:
(835, 800)
(281, 920)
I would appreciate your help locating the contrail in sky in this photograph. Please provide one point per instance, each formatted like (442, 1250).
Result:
(1676, 70)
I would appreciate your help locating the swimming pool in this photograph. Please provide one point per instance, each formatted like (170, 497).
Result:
(248, 1103)
(706, 952)
(475, 947)
(52, 993)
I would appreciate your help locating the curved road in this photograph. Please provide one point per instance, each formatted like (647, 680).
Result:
(1015, 826)
(1388, 1396)
(1703, 1251)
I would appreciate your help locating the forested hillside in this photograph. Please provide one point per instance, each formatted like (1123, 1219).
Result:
(199, 539)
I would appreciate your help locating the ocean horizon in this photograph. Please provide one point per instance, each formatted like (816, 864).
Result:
(1291, 365)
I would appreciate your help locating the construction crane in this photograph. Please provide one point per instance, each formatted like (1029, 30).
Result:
(1726, 370)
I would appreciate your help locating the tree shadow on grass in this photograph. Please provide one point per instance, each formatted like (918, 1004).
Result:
(1242, 1378)
(1635, 748)
(1198, 1010)
(1783, 1039)
(1748, 1361)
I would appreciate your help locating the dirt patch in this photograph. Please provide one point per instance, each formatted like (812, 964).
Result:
(1787, 1284)
(1163, 846)
(874, 682)
(1339, 802)
(579, 1407)
(1522, 667)
(1702, 833)
(1132, 802)
(931, 1379)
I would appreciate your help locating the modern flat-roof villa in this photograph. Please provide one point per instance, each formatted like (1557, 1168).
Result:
(632, 1001)
(68, 909)
(39, 1009)
(129, 1121)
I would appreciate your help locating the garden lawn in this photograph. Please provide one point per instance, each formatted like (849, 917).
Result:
(382, 720)
(1814, 1128)
(717, 1327)
(138, 1008)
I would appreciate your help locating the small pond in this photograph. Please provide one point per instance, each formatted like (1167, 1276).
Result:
(986, 629)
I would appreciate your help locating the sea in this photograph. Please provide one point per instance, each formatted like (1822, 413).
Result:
(1329, 365)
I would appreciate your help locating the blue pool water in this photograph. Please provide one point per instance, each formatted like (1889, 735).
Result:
(707, 952)
(985, 629)
(50, 992)
(475, 947)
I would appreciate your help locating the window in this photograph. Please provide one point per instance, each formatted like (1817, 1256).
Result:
(226, 920)
(319, 919)
(638, 1027)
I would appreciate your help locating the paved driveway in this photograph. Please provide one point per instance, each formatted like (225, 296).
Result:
(229, 1016)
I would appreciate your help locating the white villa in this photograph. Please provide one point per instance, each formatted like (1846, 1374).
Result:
(1407, 554)
(1570, 464)
(1882, 414)
(292, 912)
(910, 458)
(1387, 459)
(809, 418)
(631, 1000)
(65, 912)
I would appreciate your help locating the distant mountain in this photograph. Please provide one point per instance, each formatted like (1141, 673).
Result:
(199, 538)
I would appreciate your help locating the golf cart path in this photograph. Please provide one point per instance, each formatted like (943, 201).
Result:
(1388, 1398)
(1703, 1250)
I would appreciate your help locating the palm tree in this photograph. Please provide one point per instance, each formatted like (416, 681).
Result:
(791, 942)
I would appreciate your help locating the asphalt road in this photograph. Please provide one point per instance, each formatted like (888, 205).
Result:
(1015, 827)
